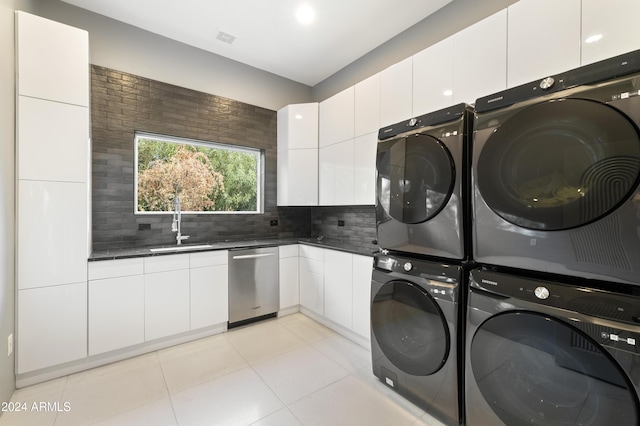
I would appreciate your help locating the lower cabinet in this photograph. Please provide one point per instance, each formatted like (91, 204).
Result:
(362, 269)
(312, 279)
(289, 277)
(52, 324)
(209, 284)
(338, 287)
(166, 303)
(116, 313)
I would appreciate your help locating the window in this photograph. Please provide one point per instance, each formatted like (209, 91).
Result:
(208, 177)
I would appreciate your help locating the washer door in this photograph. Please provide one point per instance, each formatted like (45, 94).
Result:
(532, 369)
(559, 164)
(415, 177)
(410, 328)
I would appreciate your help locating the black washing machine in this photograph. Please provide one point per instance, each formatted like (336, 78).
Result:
(422, 188)
(415, 338)
(555, 174)
(545, 353)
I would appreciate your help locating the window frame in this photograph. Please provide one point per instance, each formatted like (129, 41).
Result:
(260, 178)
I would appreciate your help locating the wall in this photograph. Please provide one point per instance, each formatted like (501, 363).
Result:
(122, 103)
(359, 230)
(447, 21)
(7, 195)
(115, 45)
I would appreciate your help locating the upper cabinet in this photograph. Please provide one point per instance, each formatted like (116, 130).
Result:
(609, 29)
(396, 93)
(367, 106)
(544, 39)
(337, 118)
(433, 78)
(297, 171)
(480, 59)
(53, 60)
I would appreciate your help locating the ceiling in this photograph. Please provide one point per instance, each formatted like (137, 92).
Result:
(268, 35)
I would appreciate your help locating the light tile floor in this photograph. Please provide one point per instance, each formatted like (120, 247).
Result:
(289, 371)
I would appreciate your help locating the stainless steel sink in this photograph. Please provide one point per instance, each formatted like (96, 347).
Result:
(180, 248)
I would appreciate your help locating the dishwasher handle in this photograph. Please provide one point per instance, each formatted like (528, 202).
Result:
(252, 256)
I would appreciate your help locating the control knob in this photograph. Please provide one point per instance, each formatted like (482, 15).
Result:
(547, 83)
(408, 266)
(541, 292)
(413, 122)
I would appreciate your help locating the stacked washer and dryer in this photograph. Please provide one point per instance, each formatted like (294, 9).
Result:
(507, 286)
(417, 296)
(553, 322)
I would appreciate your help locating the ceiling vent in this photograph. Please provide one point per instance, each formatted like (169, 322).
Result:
(225, 37)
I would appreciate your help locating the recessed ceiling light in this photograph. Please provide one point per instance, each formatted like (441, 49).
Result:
(305, 14)
(448, 93)
(593, 38)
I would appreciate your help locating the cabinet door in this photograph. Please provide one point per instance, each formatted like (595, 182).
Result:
(336, 168)
(209, 296)
(166, 303)
(480, 59)
(433, 78)
(542, 43)
(298, 177)
(52, 140)
(608, 30)
(396, 91)
(312, 282)
(52, 233)
(52, 60)
(116, 313)
(367, 106)
(362, 268)
(338, 287)
(336, 118)
(298, 127)
(289, 282)
(52, 326)
(365, 169)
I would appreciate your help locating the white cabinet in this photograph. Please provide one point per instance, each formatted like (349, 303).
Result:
(364, 173)
(289, 277)
(480, 59)
(297, 170)
(166, 295)
(209, 285)
(52, 233)
(362, 268)
(53, 140)
(433, 78)
(396, 93)
(312, 279)
(52, 60)
(367, 106)
(609, 29)
(116, 312)
(337, 174)
(336, 119)
(338, 287)
(542, 43)
(52, 326)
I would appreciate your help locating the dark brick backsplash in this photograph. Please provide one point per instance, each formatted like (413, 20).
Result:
(122, 103)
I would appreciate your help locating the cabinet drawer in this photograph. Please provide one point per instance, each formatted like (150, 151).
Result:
(311, 252)
(208, 258)
(115, 268)
(166, 263)
(288, 251)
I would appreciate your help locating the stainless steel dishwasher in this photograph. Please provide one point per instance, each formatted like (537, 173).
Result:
(254, 289)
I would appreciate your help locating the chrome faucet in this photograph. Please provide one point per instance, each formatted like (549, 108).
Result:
(177, 221)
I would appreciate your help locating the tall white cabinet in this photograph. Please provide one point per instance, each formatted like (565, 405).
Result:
(53, 202)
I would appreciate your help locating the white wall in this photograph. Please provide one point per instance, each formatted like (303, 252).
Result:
(122, 47)
(7, 195)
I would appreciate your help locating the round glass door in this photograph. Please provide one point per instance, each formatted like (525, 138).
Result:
(559, 164)
(535, 370)
(410, 328)
(415, 177)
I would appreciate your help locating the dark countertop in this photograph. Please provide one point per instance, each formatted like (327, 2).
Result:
(364, 248)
